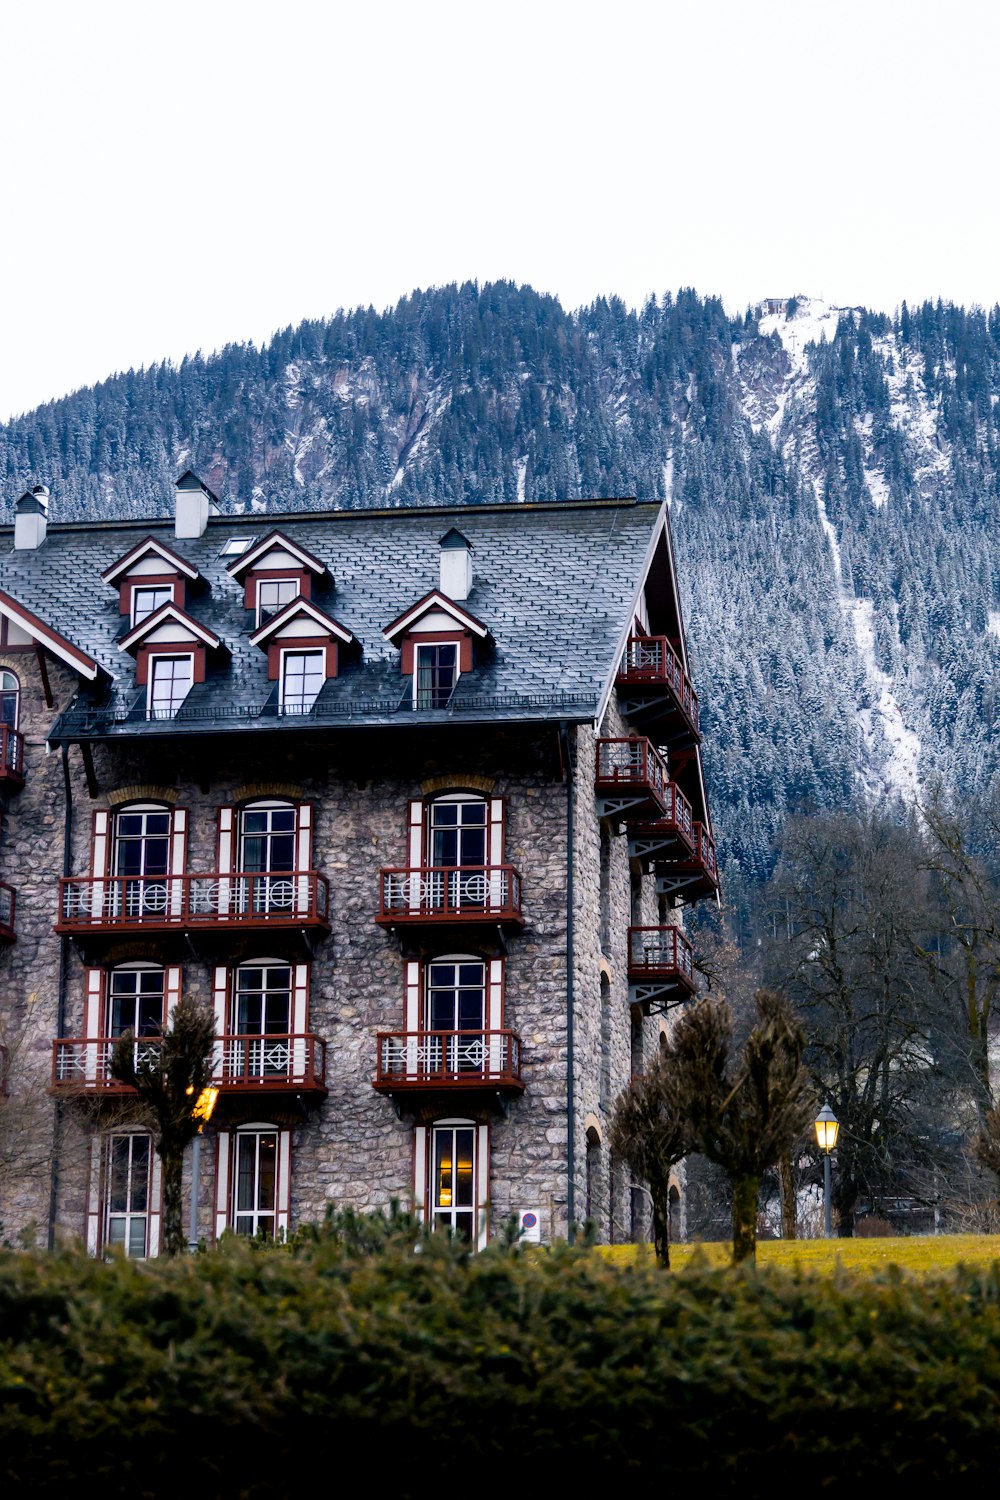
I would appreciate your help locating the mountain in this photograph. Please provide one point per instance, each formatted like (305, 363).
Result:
(832, 474)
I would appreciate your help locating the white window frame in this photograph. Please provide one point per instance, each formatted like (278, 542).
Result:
(130, 1215)
(256, 1215)
(419, 646)
(424, 1187)
(263, 583)
(286, 652)
(156, 660)
(149, 588)
(11, 691)
(235, 546)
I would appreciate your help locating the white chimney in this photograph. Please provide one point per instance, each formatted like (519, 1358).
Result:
(456, 565)
(31, 518)
(192, 502)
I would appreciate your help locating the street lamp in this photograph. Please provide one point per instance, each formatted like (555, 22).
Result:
(827, 1126)
(201, 1111)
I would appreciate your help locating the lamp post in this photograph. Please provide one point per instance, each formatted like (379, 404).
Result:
(827, 1126)
(202, 1112)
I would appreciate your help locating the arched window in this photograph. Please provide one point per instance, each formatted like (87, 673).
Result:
(261, 1048)
(457, 830)
(255, 1182)
(10, 699)
(135, 997)
(267, 855)
(141, 859)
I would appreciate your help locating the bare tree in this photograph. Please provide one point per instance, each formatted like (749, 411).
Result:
(168, 1080)
(851, 953)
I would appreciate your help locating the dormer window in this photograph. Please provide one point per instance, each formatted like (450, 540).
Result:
(275, 571)
(303, 647)
(170, 649)
(303, 673)
(273, 594)
(148, 577)
(170, 681)
(437, 640)
(147, 600)
(436, 672)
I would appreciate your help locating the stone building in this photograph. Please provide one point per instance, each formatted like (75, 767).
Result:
(410, 798)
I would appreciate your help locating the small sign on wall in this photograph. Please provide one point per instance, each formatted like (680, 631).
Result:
(530, 1225)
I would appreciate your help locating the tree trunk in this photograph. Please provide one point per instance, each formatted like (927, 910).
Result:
(661, 1227)
(786, 1179)
(746, 1192)
(174, 1242)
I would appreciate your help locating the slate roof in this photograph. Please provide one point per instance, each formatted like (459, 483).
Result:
(555, 584)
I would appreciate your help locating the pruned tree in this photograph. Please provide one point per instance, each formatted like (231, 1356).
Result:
(741, 1106)
(650, 1133)
(168, 1079)
(748, 1106)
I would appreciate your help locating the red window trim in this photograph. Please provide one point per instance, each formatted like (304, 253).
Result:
(150, 581)
(460, 638)
(259, 575)
(301, 643)
(163, 648)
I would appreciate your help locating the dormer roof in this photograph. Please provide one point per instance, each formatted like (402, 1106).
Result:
(256, 557)
(181, 629)
(300, 609)
(172, 563)
(435, 602)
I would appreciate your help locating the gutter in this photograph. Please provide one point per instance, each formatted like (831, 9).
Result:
(61, 1003)
(570, 1037)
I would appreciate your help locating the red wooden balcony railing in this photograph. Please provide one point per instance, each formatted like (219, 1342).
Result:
(7, 902)
(439, 893)
(704, 852)
(675, 830)
(11, 755)
(633, 765)
(660, 953)
(651, 661)
(448, 1059)
(166, 902)
(240, 1063)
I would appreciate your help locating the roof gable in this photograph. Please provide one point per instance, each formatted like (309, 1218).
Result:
(188, 629)
(173, 563)
(437, 602)
(257, 555)
(294, 610)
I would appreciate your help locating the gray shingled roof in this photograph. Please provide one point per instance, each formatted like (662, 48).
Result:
(554, 584)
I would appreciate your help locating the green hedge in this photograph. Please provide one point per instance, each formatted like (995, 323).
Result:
(243, 1371)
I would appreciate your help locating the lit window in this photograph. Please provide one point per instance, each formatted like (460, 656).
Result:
(235, 546)
(435, 676)
(453, 1180)
(147, 601)
(255, 1181)
(10, 693)
(273, 594)
(127, 1196)
(170, 680)
(302, 675)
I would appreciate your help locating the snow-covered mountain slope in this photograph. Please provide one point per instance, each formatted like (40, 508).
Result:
(832, 473)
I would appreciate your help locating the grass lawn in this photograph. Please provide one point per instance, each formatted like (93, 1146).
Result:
(922, 1255)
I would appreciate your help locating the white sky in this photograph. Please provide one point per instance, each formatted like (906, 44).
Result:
(178, 176)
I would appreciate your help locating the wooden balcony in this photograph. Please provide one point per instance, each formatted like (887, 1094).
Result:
(113, 904)
(660, 967)
(652, 680)
(248, 1065)
(632, 780)
(694, 875)
(669, 837)
(452, 1060)
(445, 895)
(7, 903)
(11, 757)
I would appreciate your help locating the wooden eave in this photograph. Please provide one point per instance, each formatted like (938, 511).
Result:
(434, 600)
(52, 640)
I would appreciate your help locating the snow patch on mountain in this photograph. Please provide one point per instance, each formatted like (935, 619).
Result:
(894, 773)
(811, 322)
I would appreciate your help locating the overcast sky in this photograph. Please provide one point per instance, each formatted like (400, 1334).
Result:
(179, 176)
